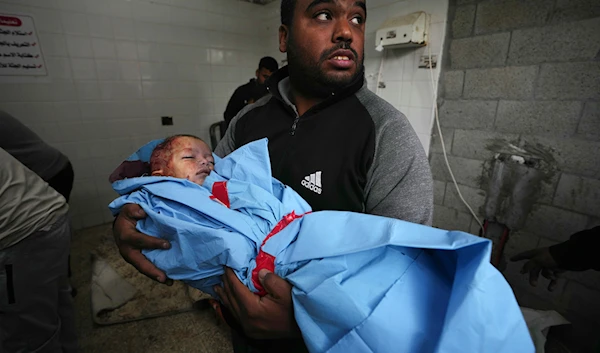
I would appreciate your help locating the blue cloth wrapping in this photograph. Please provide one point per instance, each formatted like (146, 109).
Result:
(361, 283)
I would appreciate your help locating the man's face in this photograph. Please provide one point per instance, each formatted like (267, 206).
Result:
(263, 75)
(190, 159)
(325, 44)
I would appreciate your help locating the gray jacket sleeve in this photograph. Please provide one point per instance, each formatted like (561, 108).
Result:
(399, 182)
(228, 144)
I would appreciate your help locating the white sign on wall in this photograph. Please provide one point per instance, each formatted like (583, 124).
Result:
(20, 51)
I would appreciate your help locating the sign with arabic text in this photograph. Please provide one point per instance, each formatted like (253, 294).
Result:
(20, 51)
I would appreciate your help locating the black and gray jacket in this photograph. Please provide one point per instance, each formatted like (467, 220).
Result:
(352, 152)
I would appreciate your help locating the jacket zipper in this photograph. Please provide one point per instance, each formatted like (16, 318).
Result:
(307, 113)
(294, 125)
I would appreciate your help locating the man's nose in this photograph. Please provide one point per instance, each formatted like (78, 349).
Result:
(342, 31)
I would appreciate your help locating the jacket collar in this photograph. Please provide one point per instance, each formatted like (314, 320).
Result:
(279, 86)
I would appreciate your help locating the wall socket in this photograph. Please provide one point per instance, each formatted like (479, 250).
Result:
(424, 62)
(166, 120)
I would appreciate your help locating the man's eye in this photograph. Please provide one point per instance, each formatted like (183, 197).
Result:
(357, 20)
(187, 157)
(323, 16)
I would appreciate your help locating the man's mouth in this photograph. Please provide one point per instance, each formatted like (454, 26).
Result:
(342, 55)
(342, 59)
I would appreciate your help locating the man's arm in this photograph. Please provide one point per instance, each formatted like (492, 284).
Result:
(227, 143)
(580, 252)
(268, 317)
(399, 182)
(131, 242)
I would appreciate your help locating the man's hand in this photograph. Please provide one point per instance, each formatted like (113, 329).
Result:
(131, 242)
(269, 317)
(539, 261)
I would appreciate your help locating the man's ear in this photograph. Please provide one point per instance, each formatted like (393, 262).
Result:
(158, 173)
(256, 73)
(283, 38)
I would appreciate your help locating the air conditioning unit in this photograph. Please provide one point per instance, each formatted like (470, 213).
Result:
(403, 32)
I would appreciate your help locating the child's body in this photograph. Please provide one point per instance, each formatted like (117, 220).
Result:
(357, 279)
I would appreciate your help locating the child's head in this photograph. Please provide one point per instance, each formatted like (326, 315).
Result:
(182, 156)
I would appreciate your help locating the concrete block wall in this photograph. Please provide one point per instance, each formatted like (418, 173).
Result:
(527, 74)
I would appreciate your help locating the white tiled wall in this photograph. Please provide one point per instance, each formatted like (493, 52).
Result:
(116, 66)
(408, 88)
(270, 21)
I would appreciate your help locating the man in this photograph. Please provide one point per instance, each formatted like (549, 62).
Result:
(332, 140)
(579, 253)
(36, 313)
(46, 161)
(251, 91)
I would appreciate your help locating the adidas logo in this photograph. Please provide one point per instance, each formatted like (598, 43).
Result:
(313, 182)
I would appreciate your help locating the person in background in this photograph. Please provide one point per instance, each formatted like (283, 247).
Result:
(36, 309)
(44, 160)
(28, 148)
(337, 144)
(251, 91)
(579, 253)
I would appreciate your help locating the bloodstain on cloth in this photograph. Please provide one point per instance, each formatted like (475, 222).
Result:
(129, 169)
(263, 260)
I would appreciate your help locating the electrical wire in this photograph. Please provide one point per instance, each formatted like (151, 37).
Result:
(380, 71)
(437, 121)
(501, 245)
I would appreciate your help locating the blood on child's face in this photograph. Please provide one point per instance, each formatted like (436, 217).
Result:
(191, 159)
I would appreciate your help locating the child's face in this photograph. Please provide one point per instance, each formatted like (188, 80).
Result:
(191, 159)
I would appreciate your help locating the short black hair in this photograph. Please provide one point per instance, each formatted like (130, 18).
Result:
(268, 63)
(287, 11)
